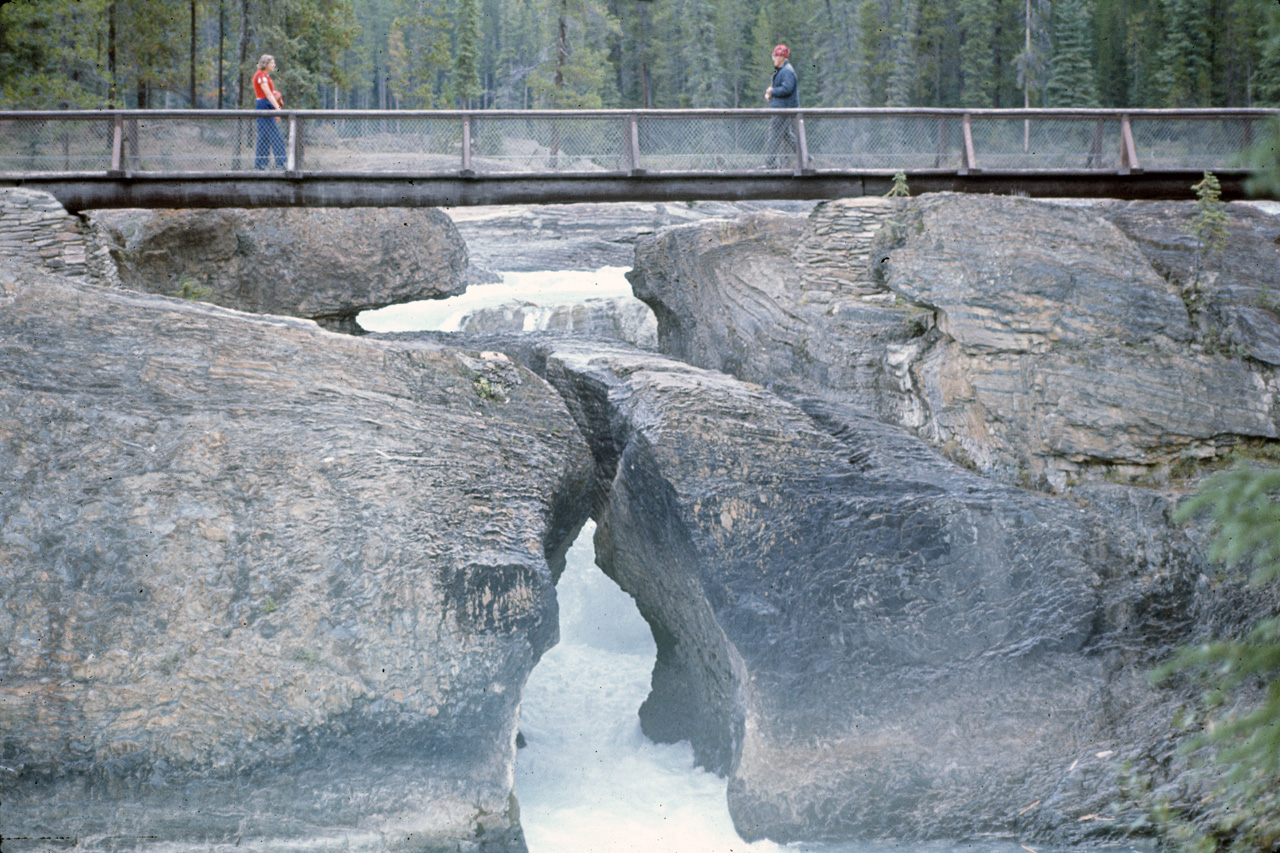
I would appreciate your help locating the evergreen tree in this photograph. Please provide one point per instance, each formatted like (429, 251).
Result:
(902, 48)
(418, 53)
(1072, 82)
(1033, 62)
(573, 72)
(466, 54)
(1266, 81)
(1182, 59)
(978, 81)
(841, 78)
(49, 56)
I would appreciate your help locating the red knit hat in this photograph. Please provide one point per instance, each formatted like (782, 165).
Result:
(782, 50)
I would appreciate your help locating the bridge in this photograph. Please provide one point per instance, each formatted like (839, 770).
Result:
(206, 158)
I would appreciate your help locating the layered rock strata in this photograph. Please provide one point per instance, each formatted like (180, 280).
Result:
(868, 640)
(1039, 343)
(265, 584)
(35, 228)
(326, 265)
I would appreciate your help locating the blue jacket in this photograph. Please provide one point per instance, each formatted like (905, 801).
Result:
(785, 93)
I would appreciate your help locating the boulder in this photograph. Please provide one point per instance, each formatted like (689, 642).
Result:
(1039, 343)
(868, 640)
(326, 265)
(263, 583)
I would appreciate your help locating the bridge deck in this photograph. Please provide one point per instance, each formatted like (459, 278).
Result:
(206, 158)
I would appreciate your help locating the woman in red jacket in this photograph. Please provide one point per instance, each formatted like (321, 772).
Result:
(269, 140)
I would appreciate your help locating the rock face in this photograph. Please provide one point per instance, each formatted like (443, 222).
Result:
(35, 228)
(326, 265)
(870, 641)
(1039, 343)
(264, 583)
(625, 319)
(578, 236)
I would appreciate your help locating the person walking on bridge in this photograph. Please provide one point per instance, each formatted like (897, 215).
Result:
(269, 140)
(783, 93)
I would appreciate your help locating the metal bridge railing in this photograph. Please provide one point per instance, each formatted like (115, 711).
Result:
(628, 141)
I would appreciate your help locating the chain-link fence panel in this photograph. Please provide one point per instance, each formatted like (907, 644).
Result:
(1191, 142)
(883, 142)
(393, 143)
(539, 144)
(686, 143)
(55, 145)
(1046, 142)
(190, 144)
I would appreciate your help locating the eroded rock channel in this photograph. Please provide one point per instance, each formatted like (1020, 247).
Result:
(867, 501)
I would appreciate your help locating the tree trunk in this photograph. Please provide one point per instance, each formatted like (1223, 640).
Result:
(222, 46)
(192, 65)
(242, 52)
(112, 91)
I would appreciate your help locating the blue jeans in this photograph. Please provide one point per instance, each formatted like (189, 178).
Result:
(781, 153)
(269, 139)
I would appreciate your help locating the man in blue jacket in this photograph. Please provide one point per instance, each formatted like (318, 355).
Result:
(784, 94)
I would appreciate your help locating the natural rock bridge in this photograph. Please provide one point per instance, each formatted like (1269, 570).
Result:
(206, 158)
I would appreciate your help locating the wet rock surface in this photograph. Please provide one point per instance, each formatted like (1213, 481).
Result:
(870, 641)
(294, 578)
(326, 265)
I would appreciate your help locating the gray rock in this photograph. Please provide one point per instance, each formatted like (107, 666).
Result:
(524, 238)
(870, 641)
(327, 265)
(1236, 291)
(623, 319)
(265, 584)
(1033, 341)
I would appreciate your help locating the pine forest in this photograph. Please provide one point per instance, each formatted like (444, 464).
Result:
(575, 54)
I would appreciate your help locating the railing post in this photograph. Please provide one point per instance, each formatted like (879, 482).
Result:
(299, 137)
(633, 143)
(970, 163)
(117, 143)
(802, 145)
(291, 153)
(1128, 152)
(466, 145)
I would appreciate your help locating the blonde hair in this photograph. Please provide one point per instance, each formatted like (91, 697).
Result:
(265, 61)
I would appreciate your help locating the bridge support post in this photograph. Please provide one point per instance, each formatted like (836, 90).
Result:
(117, 144)
(802, 147)
(291, 153)
(466, 146)
(970, 162)
(1128, 151)
(633, 144)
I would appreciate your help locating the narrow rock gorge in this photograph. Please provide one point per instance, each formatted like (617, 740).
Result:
(894, 498)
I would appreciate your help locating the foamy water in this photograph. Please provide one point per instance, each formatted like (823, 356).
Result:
(589, 781)
(560, 287)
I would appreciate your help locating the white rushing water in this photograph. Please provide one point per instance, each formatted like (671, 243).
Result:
(589, 781)
(564, 287)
